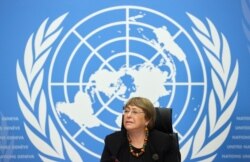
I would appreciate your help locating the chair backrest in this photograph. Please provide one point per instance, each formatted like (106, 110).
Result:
(163, 120)
(164, 123)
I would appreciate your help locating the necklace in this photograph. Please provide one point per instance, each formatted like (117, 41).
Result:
(142, 150)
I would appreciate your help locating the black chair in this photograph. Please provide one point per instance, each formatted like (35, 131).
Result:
(163, 120)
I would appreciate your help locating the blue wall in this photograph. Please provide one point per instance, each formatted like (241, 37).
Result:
(67, 67)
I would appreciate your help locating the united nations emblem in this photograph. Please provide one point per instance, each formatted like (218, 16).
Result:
(104, 59)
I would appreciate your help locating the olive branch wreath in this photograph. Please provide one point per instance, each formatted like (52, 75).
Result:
(222, 98)
(39, 126)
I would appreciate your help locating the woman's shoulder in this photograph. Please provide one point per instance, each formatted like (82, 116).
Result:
(115, 140)
(115, 135)
(167, 143)
(158, 133)
(158, 136)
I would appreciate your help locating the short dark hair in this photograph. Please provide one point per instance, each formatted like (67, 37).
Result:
(147, 106)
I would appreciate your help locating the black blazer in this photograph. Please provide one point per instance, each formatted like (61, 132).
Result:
(161, 147)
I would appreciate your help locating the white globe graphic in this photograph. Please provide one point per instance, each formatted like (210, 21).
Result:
(117, 53)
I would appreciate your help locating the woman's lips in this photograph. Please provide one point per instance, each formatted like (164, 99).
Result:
(128, 122)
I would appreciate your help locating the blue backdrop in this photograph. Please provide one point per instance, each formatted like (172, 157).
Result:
(67, 67)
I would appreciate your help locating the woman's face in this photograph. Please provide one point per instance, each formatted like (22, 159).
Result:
(134, 119)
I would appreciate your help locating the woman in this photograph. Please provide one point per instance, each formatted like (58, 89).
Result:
(139, 142)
